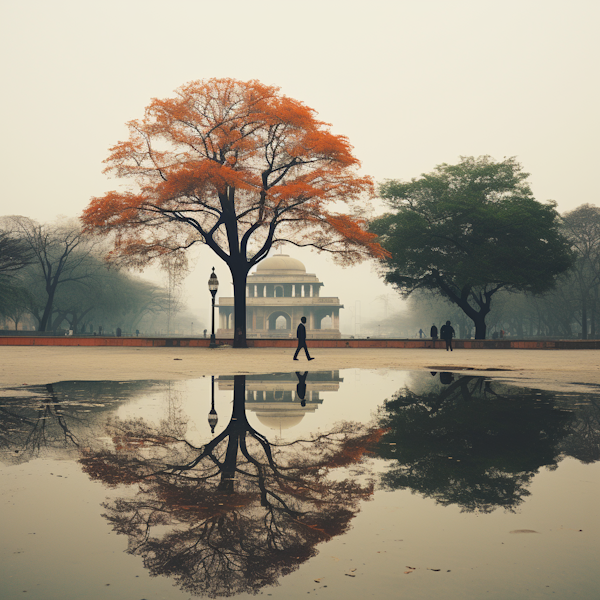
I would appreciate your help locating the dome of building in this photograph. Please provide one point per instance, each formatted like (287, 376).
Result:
(279, 420)
(280, 264)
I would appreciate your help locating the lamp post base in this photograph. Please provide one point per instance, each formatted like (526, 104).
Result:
(213, 342)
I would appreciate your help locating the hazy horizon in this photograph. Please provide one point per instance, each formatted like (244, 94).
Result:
(411, 85)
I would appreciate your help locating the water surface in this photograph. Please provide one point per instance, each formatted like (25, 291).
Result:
(346, 483)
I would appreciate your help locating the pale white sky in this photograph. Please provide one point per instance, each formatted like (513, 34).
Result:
(412, 84)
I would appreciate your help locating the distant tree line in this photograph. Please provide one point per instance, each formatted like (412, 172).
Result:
(54, 278)
(571, 309)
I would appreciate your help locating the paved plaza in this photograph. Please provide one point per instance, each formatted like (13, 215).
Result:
(553, 369)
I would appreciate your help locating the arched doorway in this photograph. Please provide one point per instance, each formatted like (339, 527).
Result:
(326, 322)
(279, 321)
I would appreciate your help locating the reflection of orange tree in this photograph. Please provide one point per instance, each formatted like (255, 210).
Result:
(238, 513)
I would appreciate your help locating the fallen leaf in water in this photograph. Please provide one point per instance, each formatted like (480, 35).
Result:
(523, 531)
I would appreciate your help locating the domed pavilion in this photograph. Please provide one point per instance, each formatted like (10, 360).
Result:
(278, 293)
(273, 397)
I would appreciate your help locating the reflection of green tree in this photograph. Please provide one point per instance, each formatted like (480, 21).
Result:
(238, 513)
(583, 441)
(473, 443)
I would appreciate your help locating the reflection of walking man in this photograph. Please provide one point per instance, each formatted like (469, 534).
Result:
(447, 333)
(301, 387)
(301, 335)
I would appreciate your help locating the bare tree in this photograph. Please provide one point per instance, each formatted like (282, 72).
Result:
(62, 253)
(15, 255)
(582, 228)
(174, 266)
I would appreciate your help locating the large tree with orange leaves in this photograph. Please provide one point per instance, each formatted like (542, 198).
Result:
(239, 167)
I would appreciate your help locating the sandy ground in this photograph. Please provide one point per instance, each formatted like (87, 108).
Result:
(550, 369)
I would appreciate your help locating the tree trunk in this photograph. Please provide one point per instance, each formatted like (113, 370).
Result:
(478, 318)
(593, 313)
(480, 326)
(47, 310)
(60, 317)
(239, 311)
(584, 320)
(237, 428)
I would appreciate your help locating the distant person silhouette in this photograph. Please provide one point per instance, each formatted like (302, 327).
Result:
(447, 333)
(301, 387)
(433, 333)
(421, 333)
(301, 335)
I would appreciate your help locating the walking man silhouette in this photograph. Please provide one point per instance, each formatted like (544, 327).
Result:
(301, 335)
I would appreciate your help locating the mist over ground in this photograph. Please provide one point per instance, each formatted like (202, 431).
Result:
(411, 85)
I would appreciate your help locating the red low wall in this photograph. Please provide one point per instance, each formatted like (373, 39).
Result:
(290, 343)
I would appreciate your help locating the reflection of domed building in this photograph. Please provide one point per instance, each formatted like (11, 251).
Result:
(278, 293)
(274, 399)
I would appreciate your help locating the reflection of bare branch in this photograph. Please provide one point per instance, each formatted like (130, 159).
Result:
(57, 417)
(237, 513)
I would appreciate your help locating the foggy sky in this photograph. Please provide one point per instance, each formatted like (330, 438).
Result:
(412, 85)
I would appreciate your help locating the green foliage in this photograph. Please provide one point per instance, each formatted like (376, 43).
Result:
(469, 230)
(472, 442)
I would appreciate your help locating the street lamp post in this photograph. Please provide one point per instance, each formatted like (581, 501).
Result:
(213, 286)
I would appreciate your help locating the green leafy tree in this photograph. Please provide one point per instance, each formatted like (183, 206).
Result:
(468, 231)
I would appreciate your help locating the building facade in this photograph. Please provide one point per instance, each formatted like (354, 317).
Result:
(281, 400)
(278, 293)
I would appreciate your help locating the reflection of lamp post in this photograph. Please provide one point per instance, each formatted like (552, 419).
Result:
(213, 286)
(212, 415)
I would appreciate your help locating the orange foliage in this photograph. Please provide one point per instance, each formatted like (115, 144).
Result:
(226, 158)
(355, 448)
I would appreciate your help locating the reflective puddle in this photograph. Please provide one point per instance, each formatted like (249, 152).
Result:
(353, 484)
